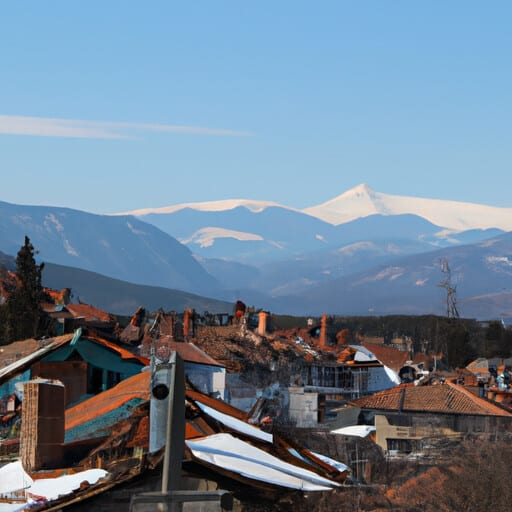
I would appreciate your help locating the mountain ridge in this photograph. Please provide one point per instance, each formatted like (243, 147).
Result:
(362, 201)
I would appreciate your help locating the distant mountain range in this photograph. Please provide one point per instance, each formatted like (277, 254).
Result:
(117, 246)
(360, 253)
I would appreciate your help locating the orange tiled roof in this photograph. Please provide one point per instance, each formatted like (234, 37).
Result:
(133, 387)
(189, 352)
(90, 313)
(445, 398)
(390, 356)
(193, 354)
(125, 354)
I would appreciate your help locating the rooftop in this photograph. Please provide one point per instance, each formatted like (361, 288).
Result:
(447, 398)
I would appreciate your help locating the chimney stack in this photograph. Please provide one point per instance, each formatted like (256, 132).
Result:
(42, 425)
(262, 323)
(323, 332)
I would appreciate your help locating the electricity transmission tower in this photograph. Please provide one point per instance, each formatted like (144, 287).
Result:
(451, 298)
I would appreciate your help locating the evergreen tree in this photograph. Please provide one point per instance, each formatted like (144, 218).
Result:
(23, 303)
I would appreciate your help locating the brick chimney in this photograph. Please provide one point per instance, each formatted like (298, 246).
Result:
(322, 341)
(262, 323)
(42, 425)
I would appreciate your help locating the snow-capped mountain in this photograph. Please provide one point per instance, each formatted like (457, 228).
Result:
(242, 231)
(257, 232)
(210, 206)
(362, 201)
(345, 255)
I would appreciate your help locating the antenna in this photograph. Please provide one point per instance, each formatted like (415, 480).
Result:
(451, 298)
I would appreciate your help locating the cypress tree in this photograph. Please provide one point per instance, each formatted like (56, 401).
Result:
(23, 303)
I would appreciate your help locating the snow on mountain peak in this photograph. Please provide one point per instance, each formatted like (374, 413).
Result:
(362, 201)
(361, 190)
(254, 206)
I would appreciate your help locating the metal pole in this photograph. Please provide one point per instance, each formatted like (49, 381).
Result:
(170, 402)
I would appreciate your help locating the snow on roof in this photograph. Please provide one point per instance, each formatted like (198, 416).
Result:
(355, 430)
(236, 424)
(14, 478)
(52, 488)
(232, 454)
(363, 354)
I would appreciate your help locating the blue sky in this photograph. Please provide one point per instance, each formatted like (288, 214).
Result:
(116, 105)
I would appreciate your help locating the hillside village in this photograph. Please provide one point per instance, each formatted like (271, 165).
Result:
(265, 416)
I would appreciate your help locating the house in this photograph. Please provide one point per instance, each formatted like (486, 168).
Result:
(67, 317)
(105, 443)
(411, 418)
(327, 384)
(85, 363)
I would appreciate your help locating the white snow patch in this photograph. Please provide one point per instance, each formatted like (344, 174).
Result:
(390, 273)
(51, 219)
(503, 260)
(69, 248)
(206, 237)
(14, 478)
(211, 206)
(133, 230)
(52, 488)
(488, 243)
(351, 249)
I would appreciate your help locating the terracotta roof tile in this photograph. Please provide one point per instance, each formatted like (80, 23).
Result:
(390, 356)
(125, 354)
(445, 398)
(189, 352)
(90, 313)
(134, 387)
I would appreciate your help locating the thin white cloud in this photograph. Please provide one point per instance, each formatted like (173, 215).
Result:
(77, 128)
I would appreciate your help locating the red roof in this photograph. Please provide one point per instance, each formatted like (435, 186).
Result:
(125, 354)
(90, 313)
(445, 398)
(389, 356)
(189, 352)
(105, 402)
